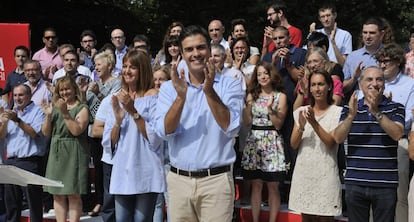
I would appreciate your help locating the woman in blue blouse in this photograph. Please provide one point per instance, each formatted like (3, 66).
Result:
(137, 173)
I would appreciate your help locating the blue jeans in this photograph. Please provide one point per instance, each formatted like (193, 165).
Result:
(360, 199)
(159, 208)
(135, 208)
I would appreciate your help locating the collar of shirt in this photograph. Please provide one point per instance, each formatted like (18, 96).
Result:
(366, 52)
(383, 102)
(396, 80)
(187, 77)
(25, 109)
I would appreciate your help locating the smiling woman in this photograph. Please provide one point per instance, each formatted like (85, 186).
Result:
(317, 200)
(66, 123)
(263, 155)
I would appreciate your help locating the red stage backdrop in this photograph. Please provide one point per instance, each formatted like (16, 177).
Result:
(11, 35)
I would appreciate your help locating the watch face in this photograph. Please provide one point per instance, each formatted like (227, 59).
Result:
(135, 116)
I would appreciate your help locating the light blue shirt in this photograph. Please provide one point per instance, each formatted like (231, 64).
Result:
(235, 73)
(104, 110)
(402, 89)
(41, 92)
(19, 143)
(138, 163)
(343, 40)
(199, 142)
(355, 57)
(118, 61)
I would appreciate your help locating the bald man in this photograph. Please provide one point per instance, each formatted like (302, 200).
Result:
(118, 40)
(216, 31)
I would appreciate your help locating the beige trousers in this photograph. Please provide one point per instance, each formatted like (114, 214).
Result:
(206, 199)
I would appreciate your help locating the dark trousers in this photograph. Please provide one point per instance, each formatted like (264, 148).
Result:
(361, 199)
(96, 153)
(13, 194)
(2, 205)
(108, 207)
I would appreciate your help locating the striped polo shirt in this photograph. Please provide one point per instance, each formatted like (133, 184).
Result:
(372, 154)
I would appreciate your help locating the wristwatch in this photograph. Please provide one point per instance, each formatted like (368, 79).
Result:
(136, 116)
(378, 116)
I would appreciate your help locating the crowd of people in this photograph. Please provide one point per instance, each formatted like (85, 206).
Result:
(175, 128)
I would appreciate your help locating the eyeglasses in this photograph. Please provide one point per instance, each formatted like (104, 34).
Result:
(384, 61)
(118, 37)
(270, 14)
(50, 37)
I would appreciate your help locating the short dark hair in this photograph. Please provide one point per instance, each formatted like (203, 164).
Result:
(281, 28)
(328, 5)
(279, 6)
(238, 21)
(49, 29)
(142, 38)
(318, 39)
(190, 31)
(73, 52)
(24, 48)
(412, 30)
(88, 32)
(27, 89)
(375, 21)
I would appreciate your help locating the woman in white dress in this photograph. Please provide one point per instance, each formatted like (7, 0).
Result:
(316, 188)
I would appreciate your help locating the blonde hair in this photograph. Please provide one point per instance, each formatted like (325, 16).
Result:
(107, 58)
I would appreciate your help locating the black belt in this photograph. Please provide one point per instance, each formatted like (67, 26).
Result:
(255, 127)
(202, 173)
(30, 158)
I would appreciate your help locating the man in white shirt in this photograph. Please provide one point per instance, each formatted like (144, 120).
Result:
(216, 31)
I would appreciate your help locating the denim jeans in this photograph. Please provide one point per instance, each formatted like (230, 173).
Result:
(360, 199)
(135, 208)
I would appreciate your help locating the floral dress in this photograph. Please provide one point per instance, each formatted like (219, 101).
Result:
(264, 146)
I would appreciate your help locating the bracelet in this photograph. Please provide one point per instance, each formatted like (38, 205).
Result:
(117, 125)
(300, 129)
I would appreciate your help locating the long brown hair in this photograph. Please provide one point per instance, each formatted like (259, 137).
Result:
(276, 81)
(145, 79)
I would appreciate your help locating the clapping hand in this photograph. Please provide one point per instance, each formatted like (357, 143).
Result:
(209, 74)
(179, 81)
(118, 111)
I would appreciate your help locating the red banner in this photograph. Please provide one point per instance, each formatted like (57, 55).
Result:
(11, 35)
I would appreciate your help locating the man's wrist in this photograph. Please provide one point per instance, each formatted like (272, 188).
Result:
(378, 116)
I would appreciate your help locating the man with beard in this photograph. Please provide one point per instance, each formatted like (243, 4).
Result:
(88, 43)
(33, 73)
(277, 16)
